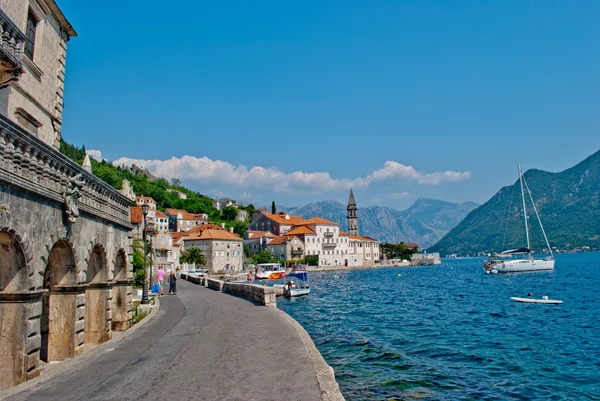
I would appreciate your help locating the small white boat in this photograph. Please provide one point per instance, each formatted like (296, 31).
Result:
(296, 284)
(544, 300)
(269, 271)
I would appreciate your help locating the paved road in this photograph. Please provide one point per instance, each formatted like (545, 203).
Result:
(202, 345)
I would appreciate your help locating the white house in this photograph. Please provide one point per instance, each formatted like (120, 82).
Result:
(224, 251)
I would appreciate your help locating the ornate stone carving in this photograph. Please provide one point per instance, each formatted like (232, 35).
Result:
(72, 195)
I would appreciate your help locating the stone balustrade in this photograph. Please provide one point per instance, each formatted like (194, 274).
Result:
(11, 49)
(259, 294)
(30, 164)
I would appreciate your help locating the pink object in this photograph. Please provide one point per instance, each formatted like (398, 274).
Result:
(160, 275)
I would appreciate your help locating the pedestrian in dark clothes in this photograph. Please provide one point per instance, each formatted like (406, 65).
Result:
(172, 282)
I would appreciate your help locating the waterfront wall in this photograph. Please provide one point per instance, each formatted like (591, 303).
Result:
(260, 294)
(214, 284)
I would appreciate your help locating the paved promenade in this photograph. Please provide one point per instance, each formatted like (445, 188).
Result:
(202, 345)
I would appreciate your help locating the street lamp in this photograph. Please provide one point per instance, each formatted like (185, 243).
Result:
(145, 300)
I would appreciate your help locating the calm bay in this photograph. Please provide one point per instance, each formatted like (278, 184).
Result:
(451, 332)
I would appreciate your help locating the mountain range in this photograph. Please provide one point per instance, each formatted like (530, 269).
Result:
(567, 202)
(425, 222)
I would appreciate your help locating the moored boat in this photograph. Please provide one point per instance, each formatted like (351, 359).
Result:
(296, 284)
(511, 261)
(269, 271)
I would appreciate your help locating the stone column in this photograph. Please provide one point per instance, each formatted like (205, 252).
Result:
(19, 336)
(122, 294)
(66, 321)
(98, 313)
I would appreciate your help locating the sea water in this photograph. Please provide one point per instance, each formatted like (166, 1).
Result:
(451, 332)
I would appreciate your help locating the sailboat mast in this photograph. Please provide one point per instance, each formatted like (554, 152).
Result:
(524, 207)
(538, 217)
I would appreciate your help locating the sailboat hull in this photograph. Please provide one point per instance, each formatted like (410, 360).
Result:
(524, 265)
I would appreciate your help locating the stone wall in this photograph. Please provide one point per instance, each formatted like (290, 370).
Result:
(259, 294)
(65, 251)
(214, 284)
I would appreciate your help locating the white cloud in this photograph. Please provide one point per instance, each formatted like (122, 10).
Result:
(95, 154)
(246, 195)
(400, 195)
(205, 170)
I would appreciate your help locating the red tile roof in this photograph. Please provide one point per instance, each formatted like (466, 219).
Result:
(146, 199)
(258, 234)
(208, 226)
(319, 221)
(368, 239)
(279, 240)
(178, 235)
(136, 215)
(343, 234)
(160, 215)
(212, 235)
(300, 230)
(280, 219)
(186, 215)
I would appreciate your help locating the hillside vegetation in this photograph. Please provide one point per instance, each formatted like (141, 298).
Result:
(157, 188)
(568, 203)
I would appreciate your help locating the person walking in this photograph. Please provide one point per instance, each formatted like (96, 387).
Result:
(172, 282)
(160, 279)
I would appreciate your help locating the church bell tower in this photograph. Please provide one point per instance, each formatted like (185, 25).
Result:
(352, 217)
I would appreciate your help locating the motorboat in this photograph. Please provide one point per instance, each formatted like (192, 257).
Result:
(269, 271)
(296, 284)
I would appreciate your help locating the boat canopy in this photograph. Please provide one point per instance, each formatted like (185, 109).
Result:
(299, 274)
(508, 253)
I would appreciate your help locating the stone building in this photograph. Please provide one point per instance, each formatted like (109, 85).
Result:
(223, 250)
(278, 224)
(161, 221)
(34, 50)
(181, 220)
(65, 243)
(257, 241)
(286, 247)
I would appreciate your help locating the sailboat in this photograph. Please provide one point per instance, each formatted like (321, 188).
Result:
(521, 260)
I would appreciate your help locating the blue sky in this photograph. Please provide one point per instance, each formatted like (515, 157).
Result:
(296, 101)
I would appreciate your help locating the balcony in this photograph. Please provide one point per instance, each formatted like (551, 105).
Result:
(11, 49)
(297, 252)
(329, 245)
(328, 234)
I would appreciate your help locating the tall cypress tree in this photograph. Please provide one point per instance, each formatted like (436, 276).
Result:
(273, 208)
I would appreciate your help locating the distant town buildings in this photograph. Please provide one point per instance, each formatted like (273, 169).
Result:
(219, 204)
(181, 220)
(293, 237)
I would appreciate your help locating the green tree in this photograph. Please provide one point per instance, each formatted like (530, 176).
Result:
(273, 208)
(246, 250)
(263, 257)
(193, 256)
(312, 260)
(176, 182)
(229, 213)
(397, 251)
(138, 261)
(250, 209)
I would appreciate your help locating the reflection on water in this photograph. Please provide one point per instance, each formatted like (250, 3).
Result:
(452, 332)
